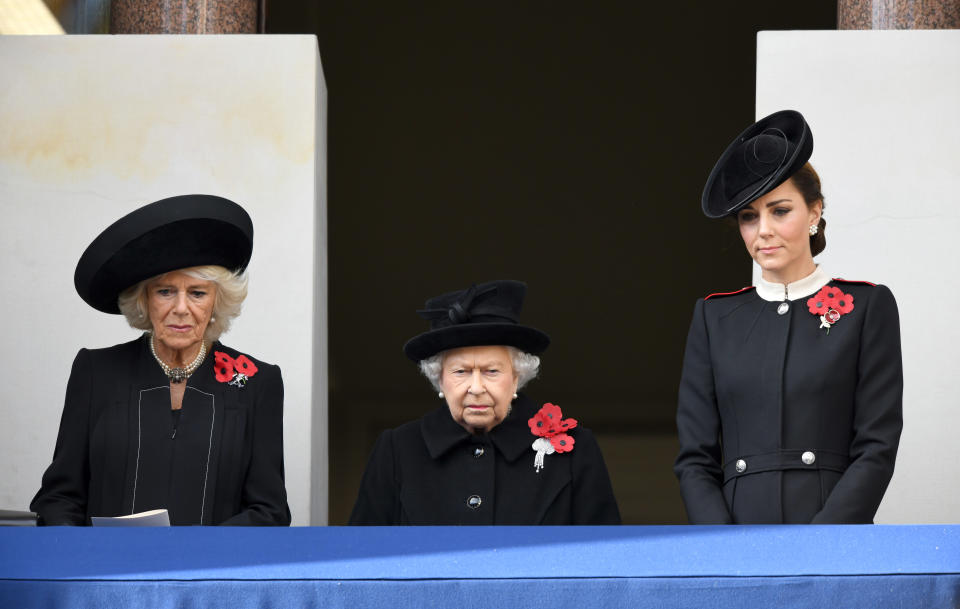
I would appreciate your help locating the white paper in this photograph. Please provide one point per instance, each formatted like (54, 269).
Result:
(152, 518)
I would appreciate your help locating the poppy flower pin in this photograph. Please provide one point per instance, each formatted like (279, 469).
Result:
(830, 304)
(551, 430)
(233, 371)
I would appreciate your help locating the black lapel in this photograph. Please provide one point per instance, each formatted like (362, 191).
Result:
(224, 397)
(143, 373)
(513, 437)
(441, 432)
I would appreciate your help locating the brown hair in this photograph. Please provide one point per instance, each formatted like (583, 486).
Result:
(807, 182)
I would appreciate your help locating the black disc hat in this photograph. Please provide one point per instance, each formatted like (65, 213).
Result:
(484, 314)
(763, 157)
(170, 234)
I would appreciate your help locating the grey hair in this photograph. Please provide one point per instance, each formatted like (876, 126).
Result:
(231, 292)
(525, 365)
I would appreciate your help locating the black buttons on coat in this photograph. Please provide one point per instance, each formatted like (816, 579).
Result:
(477, 451)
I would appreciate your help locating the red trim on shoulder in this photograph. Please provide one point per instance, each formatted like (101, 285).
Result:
(749, 287)
(854, 281)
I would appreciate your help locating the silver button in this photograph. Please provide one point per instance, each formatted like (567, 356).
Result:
(783, 308)
(478, 452)
(741, 466)
(474, 501)
(808, 457)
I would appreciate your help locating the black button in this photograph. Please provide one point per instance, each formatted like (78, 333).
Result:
(474, 501)
(478, 452)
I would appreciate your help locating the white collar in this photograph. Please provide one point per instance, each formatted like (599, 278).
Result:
(807, 286)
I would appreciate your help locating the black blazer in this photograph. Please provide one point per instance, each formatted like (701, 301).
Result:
(426, 471)
(762, 389)
(117, 452)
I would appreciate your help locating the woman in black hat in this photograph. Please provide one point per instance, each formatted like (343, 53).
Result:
(790, 400)
(173, 419)
(488, 455)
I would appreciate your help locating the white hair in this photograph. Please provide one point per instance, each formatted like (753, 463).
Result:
(231, 292)
(526, 366)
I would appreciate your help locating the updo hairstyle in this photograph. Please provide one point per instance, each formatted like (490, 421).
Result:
(807, 182)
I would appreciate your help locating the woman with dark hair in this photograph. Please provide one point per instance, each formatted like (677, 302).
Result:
(488, 454)
(790, 401)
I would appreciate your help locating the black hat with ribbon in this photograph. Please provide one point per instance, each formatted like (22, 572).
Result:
(167, 235)
(484, 314)
(760, 159)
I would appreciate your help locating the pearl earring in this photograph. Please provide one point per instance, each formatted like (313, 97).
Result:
(813, 229)
(213, 319)
(440, 394)
(514, 396)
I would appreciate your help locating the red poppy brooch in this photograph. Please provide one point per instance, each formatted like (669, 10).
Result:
(232, 371)
(551, 430)
(830, 304)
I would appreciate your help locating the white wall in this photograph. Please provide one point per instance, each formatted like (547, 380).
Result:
(95, 126)
(884, 108)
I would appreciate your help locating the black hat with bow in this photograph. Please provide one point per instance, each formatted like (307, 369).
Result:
(763, 157)
(167, 235)
(484, 314)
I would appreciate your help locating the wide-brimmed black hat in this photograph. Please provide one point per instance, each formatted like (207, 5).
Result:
(170, 234)
(760, 159)
(484, 314)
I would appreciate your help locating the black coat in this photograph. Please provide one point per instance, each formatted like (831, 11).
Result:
(117, 452)
(764, 388)
(424, 473)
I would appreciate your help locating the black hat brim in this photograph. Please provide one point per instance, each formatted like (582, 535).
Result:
(716, 205)
(430, 343)
(170, 234)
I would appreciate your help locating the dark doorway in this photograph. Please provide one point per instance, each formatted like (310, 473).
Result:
(563, 144)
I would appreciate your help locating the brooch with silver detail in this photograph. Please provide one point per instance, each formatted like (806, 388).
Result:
(551, 430)
(233, 371)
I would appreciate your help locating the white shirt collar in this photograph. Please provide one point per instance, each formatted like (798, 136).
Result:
(807, 286)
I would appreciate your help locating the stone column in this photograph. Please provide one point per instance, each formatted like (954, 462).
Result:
(898, 14)
(184, 16)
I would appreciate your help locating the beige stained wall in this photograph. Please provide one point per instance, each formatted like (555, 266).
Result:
(95, 126)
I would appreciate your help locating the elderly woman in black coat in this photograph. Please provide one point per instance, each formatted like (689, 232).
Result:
(488, 455)
(790, 399)
(173, 420)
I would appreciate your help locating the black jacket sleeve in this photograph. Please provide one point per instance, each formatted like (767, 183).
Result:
(264, 494)
(593, 499)
(698, 466)
(878, 417)
(378, 499)
(62, 498)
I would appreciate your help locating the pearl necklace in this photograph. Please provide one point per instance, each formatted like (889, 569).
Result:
(178, 375)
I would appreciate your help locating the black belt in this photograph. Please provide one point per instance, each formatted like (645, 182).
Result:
(785, 459)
